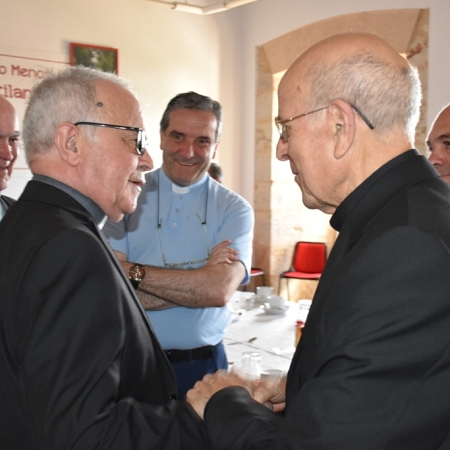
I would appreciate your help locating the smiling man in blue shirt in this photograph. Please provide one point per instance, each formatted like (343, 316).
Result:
(188, 245)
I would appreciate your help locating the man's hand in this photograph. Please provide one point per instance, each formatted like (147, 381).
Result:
(222, 254)
(271, 391)
(203, 390)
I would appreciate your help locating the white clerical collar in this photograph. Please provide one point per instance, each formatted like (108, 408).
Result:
(180, 189)
(176, 188)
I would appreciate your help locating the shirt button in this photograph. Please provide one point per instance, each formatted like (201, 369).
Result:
(174, 225)
(177, 210)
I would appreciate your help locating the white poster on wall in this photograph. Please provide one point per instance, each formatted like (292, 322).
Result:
(20, 69)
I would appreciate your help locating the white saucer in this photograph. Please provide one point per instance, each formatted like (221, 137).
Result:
(259, 299)
(274, 310)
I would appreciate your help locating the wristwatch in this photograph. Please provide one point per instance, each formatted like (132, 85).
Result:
(135, 274)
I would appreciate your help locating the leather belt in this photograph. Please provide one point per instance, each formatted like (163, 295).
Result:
(205, 352)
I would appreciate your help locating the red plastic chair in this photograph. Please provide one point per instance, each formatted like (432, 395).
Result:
(307, 264)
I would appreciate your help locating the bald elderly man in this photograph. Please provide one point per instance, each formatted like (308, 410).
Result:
(438, 143)
(372, 368)
(9, 138)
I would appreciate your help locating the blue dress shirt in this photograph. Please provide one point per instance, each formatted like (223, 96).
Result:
(182, 238)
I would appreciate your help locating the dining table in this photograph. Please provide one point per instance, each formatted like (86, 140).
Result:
(255, 328)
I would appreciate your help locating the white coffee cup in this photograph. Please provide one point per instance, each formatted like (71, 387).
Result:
(276, 302)
(264, 291)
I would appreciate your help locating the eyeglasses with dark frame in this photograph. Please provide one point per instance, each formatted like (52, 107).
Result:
(141, 140)
(283, 129)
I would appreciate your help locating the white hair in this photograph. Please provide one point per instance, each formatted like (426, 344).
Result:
(388, 95)
(69, 95)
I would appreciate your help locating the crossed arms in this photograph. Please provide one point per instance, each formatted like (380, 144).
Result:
(209, 286)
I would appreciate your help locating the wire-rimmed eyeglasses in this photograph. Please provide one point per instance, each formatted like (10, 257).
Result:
(141, 140)
(184, 263)
(283, 129)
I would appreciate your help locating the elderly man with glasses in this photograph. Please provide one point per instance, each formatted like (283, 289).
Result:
(188, 245)
(372, 368)
(80, 366)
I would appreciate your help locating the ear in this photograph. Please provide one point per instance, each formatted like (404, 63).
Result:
(162, 138)
(66, 139)
(215, 150)
(342, 126)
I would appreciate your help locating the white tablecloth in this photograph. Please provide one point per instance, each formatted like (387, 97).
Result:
(275, 335)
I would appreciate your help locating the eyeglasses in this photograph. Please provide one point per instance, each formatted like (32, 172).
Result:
(203, 222)
(283, 129)
(141, 140)
(185, 263)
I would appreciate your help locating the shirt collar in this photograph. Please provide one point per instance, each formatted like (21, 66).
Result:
(91, 207)
(344, 210)
(176, 188)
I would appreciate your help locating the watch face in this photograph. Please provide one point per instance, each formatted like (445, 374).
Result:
(137, 272)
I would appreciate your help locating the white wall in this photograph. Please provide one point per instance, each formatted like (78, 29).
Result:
(165, 52)
(267, 19)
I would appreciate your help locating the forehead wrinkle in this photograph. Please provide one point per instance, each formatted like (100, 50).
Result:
(12, 134)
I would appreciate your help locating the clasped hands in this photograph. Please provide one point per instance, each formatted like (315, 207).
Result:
(269, 391)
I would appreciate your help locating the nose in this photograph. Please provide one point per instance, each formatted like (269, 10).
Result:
(282, 149)
(7, 151)
(187, 149)
(145, 162)
(435, 158)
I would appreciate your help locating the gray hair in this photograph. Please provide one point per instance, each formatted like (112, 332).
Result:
(192, 100)
(66, 96)
(388, 95)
